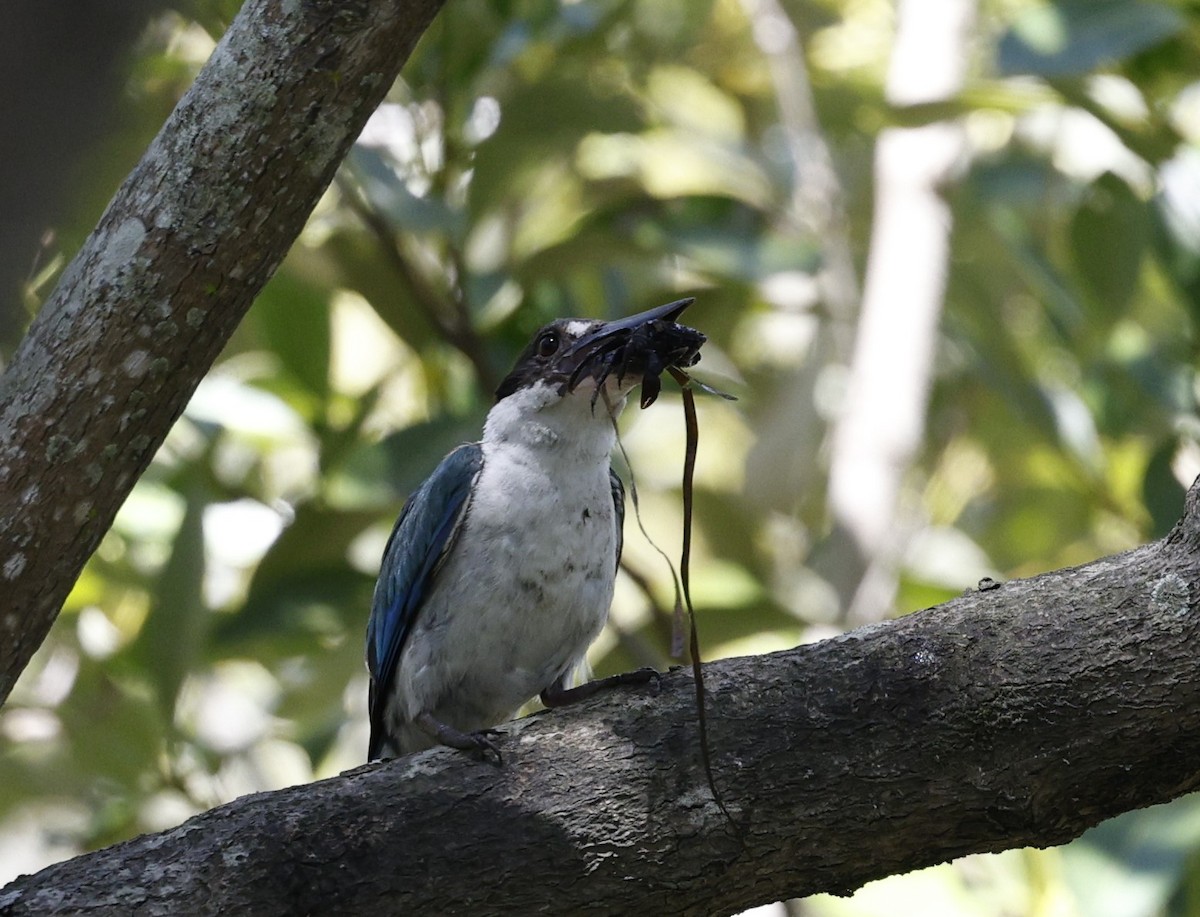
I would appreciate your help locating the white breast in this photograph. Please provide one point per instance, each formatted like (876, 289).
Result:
(529, 585)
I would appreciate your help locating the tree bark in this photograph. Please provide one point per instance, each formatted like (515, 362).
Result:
(1019, 714)
(157, 289)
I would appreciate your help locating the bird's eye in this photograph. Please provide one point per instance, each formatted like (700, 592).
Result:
(547, 344)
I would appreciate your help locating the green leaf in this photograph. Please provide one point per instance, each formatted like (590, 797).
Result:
(1074, 37)
(114, 725)
(364, 267)
(375, 473)
(1161, 491)
(293, 316)
(304, 589)
(1109, 236)
(541, 125)
(172, 638)
(387, 194)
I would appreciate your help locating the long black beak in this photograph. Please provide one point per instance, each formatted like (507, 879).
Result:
(668, 313)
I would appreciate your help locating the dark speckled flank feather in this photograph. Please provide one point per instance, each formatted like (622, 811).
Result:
(618, 495)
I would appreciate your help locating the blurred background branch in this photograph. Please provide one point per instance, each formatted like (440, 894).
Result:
(881, 422)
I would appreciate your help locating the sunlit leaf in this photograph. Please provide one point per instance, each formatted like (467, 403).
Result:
(294, 318)
(172, 638)
(375, 473)
(304, 590)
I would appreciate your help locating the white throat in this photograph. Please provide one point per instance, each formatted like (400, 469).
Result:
(538, 418)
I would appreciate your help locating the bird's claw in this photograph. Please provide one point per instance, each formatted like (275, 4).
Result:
(478, 743)
(484, 747)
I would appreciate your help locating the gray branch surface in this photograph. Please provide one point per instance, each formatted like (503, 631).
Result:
(1016, 715)
(157, 289)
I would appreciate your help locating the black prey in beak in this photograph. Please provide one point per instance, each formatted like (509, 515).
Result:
(646, 345)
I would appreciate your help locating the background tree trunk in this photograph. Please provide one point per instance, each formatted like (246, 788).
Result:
(1019, 714)
(881, 426)
(65, 57)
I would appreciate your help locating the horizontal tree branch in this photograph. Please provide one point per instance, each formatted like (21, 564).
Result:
(1019, 714)
(159, 286)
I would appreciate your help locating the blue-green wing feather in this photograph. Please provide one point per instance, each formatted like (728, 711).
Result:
(428, 524)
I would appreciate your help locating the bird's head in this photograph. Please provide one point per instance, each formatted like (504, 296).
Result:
(583, 357)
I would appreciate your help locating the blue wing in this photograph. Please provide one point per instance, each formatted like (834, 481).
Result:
(428, 524)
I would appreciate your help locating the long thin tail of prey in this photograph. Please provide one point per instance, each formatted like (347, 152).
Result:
(685, 557)
(682, 580)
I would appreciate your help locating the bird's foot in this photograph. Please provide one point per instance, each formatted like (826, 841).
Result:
(478, 743)
(558, 696)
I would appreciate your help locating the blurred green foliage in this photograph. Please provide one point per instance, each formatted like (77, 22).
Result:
(595, 158)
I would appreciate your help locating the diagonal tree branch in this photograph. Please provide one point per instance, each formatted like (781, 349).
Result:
(157, 289)
(1020, 714)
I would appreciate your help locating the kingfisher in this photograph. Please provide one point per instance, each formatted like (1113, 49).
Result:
(499, 571)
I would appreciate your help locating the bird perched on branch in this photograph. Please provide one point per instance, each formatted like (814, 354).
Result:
(499, 572)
